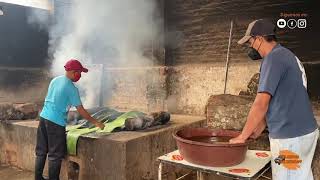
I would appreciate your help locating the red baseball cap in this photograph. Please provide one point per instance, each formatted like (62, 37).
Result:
(75, 65)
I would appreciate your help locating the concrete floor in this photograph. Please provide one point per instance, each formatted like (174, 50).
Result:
(11, 173)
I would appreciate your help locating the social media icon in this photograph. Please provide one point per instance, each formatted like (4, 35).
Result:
(302, 23)
(281, 23)
(292, 23)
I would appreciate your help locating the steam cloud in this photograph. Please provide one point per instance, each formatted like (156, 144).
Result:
(113, 33)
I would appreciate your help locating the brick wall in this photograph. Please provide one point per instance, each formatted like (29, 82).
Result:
(199, 29)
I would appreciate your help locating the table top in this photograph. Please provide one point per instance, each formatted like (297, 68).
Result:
(254, 162)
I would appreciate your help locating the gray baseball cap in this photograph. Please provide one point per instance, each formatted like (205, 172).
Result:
(260, 27)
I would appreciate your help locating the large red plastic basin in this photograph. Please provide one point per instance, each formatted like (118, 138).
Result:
(210, 154)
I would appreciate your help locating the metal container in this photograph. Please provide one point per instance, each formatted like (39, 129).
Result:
(217, 154)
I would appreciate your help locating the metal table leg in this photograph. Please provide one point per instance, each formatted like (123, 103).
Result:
(199, 175)
(160, 171)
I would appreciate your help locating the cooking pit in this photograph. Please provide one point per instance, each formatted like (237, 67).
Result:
(119, 155)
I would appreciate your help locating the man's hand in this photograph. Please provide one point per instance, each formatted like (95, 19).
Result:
(256, 115)
(87, 116)
(237, 140)
(100, 125)
(256, 133)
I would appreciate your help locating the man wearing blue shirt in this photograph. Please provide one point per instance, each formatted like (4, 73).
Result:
(282, 103)
(51, 135)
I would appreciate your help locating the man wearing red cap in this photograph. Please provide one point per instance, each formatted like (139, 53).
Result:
(51, 134)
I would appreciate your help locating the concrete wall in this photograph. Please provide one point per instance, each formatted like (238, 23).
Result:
(17, 144)
(142, 89)
(183, 88)
(180, 89)
(23, 84)
(191, 86)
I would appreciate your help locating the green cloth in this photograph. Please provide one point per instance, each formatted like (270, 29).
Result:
(73, 136)
(73, 127)
(102, 115)
(74, 132)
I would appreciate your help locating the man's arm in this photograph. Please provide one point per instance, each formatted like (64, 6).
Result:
(255, 118)
(261, 127)
(84, 113)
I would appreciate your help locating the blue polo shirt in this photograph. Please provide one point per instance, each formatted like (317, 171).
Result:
(290, 113)
(62, 94)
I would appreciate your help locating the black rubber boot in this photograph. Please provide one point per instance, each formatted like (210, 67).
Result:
(54, 169)
(39, 166)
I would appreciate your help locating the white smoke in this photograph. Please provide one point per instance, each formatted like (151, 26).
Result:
(112, 32)
(39, 17)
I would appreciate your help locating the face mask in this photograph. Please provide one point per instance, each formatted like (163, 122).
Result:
(253, 53)
(77, 76)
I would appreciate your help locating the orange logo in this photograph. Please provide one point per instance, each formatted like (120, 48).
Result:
(262, 154)
(239, 170)
(288, 159)
(177, 157)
